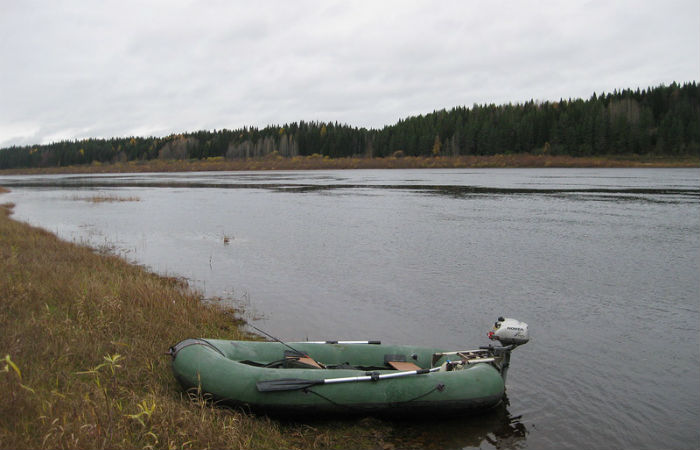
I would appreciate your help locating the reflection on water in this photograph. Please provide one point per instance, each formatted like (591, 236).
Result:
(603, 265)
(495, 428)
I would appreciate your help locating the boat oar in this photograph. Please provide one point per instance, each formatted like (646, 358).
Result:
(340, 342)
(292, 384)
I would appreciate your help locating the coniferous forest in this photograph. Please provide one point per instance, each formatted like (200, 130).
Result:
(661, 121)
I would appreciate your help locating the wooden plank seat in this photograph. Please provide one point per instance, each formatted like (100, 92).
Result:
(399, 362)
(299, 359)
(403, 365)
(309, 362)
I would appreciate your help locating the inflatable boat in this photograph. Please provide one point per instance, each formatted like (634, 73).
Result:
(348, 377)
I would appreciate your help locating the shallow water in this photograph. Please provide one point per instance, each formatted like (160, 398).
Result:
(603, 264)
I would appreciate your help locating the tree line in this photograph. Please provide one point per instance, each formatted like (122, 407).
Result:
(663, 120)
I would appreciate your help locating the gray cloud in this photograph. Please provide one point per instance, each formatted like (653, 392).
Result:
(82, 69)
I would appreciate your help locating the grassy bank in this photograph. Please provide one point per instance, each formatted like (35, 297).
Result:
(82, 365)
(317, 162)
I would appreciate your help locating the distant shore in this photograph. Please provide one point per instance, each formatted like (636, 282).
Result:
(317, 162)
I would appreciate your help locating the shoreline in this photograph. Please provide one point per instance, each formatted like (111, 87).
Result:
(317, 162)
(83, 365)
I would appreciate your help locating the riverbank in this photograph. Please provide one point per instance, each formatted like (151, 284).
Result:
(317, 162)
(82, 361)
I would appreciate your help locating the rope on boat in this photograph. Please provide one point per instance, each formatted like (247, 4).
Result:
(439, 387)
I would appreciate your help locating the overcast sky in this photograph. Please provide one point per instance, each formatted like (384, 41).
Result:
(78, 69)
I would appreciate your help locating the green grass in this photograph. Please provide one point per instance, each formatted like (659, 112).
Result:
(82, 361)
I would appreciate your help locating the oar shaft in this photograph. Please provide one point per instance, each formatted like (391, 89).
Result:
(340, 342)
(458, 352)
(291, 384)
(378, 376)
(386, 376)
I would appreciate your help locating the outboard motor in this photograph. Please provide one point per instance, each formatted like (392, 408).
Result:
(509, 332)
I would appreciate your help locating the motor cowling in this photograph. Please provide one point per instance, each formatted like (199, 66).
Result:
(509, 332)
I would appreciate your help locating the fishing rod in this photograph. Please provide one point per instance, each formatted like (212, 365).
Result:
(280, 341)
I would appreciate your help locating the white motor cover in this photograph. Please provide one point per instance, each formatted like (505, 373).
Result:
(509, 331)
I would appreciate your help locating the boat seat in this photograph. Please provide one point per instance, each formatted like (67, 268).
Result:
(300, 359)
(403, 365)
(309, 362)
(399, 362)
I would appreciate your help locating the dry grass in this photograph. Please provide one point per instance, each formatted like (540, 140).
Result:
(317, 162)
(6, 208)
(82, 365)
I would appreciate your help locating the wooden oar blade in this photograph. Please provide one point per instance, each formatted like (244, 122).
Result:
(285, 384)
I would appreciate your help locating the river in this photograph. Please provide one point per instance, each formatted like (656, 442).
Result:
(603, 264)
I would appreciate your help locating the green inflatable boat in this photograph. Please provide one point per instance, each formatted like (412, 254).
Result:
(348, 377)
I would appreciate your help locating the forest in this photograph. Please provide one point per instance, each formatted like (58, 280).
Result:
(662, 121)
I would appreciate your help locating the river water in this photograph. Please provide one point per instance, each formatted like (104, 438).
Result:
(604, 265)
